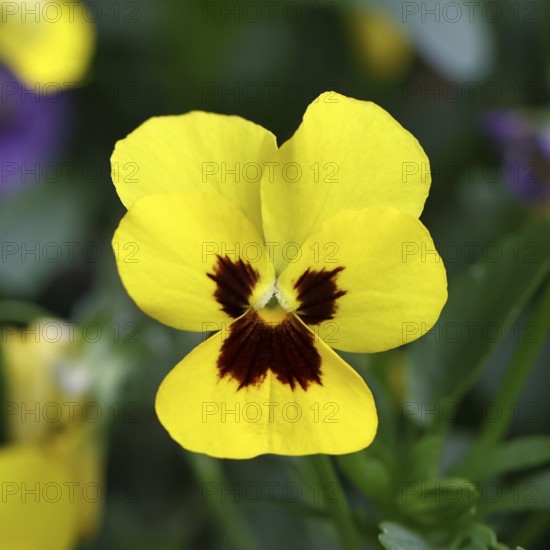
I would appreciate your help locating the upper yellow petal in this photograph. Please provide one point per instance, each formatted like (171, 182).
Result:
(346, 154)
(394, 279)
(206, 414)
(166, 245)
(195, 152)
(47, 44)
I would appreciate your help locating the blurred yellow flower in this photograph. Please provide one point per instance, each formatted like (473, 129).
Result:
(48, 44)
(381, 44)
(287, 252)
(51, 470)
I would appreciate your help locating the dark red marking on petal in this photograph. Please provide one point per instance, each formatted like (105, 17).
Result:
(255, 346)
(235, 282)
(317, 294)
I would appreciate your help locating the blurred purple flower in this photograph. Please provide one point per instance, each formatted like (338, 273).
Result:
(32, 129)
(525, 152)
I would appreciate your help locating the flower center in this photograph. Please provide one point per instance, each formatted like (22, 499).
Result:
(267, 336)
(273, 302)
(272, 313)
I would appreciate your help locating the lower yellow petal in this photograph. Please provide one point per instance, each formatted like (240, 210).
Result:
(208, 414)
(393, 278)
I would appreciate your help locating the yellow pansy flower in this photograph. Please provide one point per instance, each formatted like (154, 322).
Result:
(48, 44)
(286, 252)
(51, 470)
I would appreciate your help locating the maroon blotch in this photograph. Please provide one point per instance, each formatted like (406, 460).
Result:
(317, 294)
(235, 282)
(254, 347)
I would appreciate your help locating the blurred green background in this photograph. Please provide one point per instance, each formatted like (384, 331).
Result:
(440, 69)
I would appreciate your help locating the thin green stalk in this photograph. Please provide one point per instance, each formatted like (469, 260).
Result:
(509, 390)
(336, 503)
(209, 473)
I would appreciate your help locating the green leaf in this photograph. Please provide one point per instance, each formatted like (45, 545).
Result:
(528, 493)
(509, 390)
(518, 454)
(483, 301)
(480, 536)
(397, 537)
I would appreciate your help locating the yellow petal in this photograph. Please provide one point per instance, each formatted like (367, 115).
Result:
(347, 154)
(394, 279)
(195, 152)
(38, 501)
(165, 246)
(207, 414)
(47, 44)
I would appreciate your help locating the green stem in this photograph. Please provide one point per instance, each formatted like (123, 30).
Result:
(209, 473)
(336, 502)
(510, 388)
